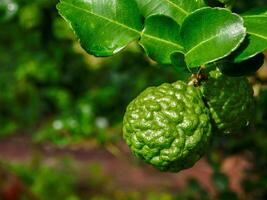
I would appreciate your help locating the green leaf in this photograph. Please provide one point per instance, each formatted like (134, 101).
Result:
(256, 11)
(244, 68)
(256, 41)
(178, 61)
(176, 9)
(160, 38)
(103, 27)
(210, 34)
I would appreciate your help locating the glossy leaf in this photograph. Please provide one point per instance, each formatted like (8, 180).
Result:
(256, 42)
(243, 68)
(104, 27)
(176, 9)
(178, 61)
(210, 34)
(256, 11)
(160, 38)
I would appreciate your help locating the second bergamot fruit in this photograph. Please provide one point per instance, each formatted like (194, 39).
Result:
(229, 99)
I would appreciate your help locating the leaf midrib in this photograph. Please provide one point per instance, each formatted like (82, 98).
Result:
(203, 42)
(178, 7)
(257, 35)
(255, 16)
(161, 40)
(100, 16)
(124, 26)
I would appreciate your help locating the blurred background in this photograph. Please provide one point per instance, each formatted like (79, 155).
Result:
(61, 112)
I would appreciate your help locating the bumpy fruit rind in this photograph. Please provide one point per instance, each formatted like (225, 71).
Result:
(168, 126)
(230, 101)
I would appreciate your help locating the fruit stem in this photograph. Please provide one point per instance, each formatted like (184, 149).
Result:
(197, 78)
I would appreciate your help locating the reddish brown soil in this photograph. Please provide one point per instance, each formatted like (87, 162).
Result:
(125, 172)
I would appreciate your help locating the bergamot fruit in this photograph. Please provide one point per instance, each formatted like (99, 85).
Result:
(230, 101)
(168, 126)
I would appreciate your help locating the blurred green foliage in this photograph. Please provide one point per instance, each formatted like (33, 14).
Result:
(62, 181)
(51, 88)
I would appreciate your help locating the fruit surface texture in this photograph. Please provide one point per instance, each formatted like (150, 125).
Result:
(230, 101)
(168, 126)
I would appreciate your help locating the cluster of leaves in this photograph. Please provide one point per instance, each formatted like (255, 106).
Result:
(51, 88)
(185, 33)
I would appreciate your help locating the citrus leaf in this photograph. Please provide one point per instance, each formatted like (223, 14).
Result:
(176, 9)
(160, 38)
(178, 61)
(210, 34)
(256, 11)
(244, 68)
(103, 27)
(256, 41)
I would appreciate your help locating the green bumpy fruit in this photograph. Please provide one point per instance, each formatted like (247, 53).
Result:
(230, 101)
(168, 126)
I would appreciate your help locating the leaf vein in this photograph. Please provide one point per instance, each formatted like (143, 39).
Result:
(178, 7)
(257, 35)
(102, 17)
(203, 42)
(164, 41)
(255, 16)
